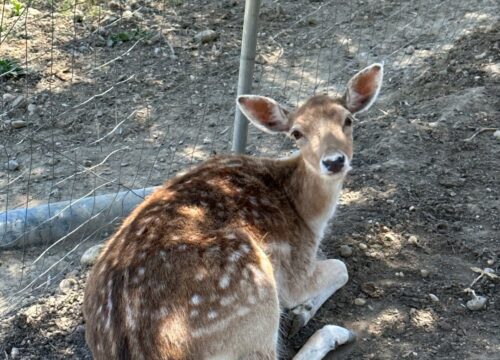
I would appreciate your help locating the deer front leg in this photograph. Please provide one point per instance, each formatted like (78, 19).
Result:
(328, 277)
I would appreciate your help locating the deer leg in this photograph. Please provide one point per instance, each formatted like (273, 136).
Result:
(323, 341)
(333, 275)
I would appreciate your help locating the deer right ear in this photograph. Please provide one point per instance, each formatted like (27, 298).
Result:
(265, 113)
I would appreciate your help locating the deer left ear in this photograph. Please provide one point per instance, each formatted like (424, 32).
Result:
(363, 88)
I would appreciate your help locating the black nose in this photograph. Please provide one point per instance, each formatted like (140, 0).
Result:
(336, 165)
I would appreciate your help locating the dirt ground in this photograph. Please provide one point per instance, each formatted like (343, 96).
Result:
(123, 96)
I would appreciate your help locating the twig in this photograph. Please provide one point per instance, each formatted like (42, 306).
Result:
(482, 130)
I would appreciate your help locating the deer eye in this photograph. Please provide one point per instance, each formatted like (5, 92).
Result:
(296, 134)
(348, 121)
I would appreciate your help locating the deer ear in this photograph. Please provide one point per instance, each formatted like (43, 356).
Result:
(265, 113)
(363, 88)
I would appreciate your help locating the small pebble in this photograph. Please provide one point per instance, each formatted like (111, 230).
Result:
(90, 256)
(8, 97)
(14, 353)
(18, 124)
(11, 165)
(424, 273)
(359, 301)
(31, 109)
(363, 246)
(206, 36)
(345, 250)
(410, 50)
(66, 285)
(434, 298)
(496, 134)
(18, 100)
(477, 303)
(400, 274)
(413, 240)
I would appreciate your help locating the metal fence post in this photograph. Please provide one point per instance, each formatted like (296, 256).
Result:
(247, 62)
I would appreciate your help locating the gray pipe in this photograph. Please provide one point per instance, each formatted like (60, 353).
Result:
(46, 224)
(247, 62)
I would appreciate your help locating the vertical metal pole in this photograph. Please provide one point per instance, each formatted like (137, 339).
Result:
(247, 62)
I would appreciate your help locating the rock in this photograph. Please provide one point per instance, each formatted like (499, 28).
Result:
(18, 124)
(413, 240)
(400, 274)
(496, 134)
(359, 301)
(11, 165)
(311, 20)
(410, 50)
(477, 303)
(390, 237)
(18, 101)
(31, 109)
(206, 36)
(424, 273)
(127, 14)
(66, 285)
(434, 298)
(480, 56)
(363, 246)
(14, 353)
(90, 256)
(8, 97)
(345, 250)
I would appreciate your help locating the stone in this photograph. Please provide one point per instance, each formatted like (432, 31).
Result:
(11, 165)
(477, 303)
(359, 301)
(90, 256)
(18, 101)
(14, 353)
(345, 250)
(410, 50)
(66, 285)
(8, 97)
(363, 246)
(425, 273)
(206, 36)
(127, 14)
(434, 298)
(31, 109)
(496, 134)
(18, 124)
(413, 240)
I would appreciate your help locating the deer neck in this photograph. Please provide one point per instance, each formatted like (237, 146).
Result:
(315, 197)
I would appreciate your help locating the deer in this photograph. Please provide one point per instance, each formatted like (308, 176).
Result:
(205, 266)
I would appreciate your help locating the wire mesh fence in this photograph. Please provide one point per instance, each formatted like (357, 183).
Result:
(102, 98)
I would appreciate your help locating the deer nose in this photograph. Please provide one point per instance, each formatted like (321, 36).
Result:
(334, 165)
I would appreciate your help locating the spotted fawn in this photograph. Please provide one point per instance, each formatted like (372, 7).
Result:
(204, 266)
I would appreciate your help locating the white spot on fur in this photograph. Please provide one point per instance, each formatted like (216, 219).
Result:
(212, 314)
(235, 256)
(140, 271)
(194, 313)
(161, 313)
(196, 299)
(182, 247)
(231, 236)
(242, 311)
(245, 248)
(224, 281)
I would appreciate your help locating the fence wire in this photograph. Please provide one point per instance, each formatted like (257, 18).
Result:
(105, 97)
